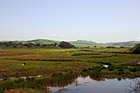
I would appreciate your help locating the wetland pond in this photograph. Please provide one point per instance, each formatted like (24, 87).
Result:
(89, 85)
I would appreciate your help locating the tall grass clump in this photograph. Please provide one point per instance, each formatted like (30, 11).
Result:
(2, 91)
(96, 71)
(20, 83)
(58, 79)
(62, 78)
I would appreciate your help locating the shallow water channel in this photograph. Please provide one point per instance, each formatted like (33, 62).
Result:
(88, 85)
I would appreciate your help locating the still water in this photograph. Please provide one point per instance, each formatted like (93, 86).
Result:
(88, 85)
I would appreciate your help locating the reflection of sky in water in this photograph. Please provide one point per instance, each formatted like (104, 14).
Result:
(87, 85)
(138, 63)
(106, 66)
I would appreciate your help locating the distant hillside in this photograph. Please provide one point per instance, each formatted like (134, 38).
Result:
(78, 43)
(91, 43)
(129, 43)
(40, 41)
(83, 42)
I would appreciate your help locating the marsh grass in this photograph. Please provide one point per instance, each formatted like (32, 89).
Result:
(38, 83)
(60, 66)
(20, 83)
(2, 91)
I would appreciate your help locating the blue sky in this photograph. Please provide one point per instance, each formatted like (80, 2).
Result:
(95, 20)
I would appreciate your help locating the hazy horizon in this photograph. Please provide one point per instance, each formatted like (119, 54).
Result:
(63, 20)
(68, 40)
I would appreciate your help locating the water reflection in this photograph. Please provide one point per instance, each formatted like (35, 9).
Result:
(93, 85)
(135, 87)
(106, 66)
(13, 78)
(138, 63)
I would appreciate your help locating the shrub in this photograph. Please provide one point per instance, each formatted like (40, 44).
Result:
(133, 69)
(90, 68)
(136, 49)
(66, 45)
(120, 69)
(30, 79)
(84, 70)
(111, 68)
(19, 80)
(120, 72)
(71, 72)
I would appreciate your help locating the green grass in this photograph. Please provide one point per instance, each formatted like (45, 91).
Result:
(48, 61)
(62, 66)
(41, 41)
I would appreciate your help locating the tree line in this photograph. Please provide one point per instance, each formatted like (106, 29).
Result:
(12, 44)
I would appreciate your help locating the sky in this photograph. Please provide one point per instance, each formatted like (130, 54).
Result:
(70, 20)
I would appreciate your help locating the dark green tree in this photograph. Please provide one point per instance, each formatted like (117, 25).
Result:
(136, 49)
(64, 44)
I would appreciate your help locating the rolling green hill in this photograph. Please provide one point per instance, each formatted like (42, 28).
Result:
(83, 42)
(79, 43)
(128, 43)
(40, 41)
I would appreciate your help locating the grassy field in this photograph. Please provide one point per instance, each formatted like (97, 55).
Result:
(57, 65)
(47, 61)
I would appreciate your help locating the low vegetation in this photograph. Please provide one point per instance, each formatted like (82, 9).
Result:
(15, 44)
(59, 67)
(44, 43)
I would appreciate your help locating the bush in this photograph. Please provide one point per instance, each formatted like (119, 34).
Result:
(71, 72)
(84, 70)
(30, 79)
(111, 68)
(95, 73)
(120, 72)
(19, 80)
(66, 45)
(136, 49)
(120, 69)
(90, 68)
(133, 69)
